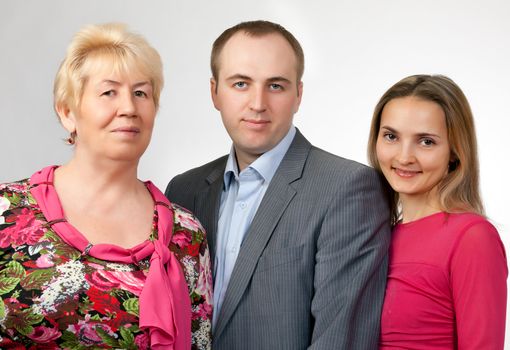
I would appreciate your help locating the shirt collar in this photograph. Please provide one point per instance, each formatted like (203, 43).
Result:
(265, 165)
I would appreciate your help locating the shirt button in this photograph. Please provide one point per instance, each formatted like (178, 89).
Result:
(242, 205)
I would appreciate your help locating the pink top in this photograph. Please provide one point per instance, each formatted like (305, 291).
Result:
(165, 306)
(446, 285)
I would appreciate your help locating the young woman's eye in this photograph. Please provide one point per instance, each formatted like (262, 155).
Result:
(428, 142)
(389, 136)
(240, 84)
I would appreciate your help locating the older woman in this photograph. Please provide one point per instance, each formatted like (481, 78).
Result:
(90, 256)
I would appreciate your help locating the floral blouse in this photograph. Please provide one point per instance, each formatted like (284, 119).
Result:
(54, 297)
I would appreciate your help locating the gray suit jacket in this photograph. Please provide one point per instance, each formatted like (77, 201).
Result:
(311, 271)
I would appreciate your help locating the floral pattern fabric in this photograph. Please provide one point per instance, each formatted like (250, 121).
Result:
(54, 297)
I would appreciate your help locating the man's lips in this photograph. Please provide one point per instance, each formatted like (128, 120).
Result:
(256, 124)
(256, 121)
(405, 172)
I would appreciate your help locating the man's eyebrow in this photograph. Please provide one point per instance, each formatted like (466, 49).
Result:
(239, 76)
(270, 80)
(279, 79)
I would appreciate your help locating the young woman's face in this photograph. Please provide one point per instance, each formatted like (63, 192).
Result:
(412, 147)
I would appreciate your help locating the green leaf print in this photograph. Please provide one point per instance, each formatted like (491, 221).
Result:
(31, 199)
(14, 199)
(51, 236)
(7, 284)
(24, 320)
(2, 310)
(13, 269)
(24, 329)
(36, 279)
(31, 317)
(70, 341)
(132, 306)
(128, 340)
(107, 339)
(19, 256)
(63, 249)
(197, 237)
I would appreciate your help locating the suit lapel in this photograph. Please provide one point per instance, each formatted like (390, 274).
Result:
(276, 199)
(207, 206)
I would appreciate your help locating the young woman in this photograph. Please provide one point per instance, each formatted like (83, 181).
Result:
(447, 274)
(90, 256)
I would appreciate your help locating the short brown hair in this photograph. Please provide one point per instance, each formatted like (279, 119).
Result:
(459, 189)
(257, 29)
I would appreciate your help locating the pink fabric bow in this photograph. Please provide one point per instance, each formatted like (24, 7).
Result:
(165, 306)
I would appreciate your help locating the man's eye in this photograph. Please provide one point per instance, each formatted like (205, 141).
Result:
(240, 84)
(275, 87)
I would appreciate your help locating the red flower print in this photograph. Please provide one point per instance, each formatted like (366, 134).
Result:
(43, 334)
(102, 302)
(107, 305)
(194, 249)
(181, 238)
(26, 230)
(106, 280)
(66, 314)
(142, 341)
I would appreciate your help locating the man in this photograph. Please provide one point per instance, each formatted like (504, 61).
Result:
(298, 236)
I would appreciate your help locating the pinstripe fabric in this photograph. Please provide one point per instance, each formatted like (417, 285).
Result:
(311, 271)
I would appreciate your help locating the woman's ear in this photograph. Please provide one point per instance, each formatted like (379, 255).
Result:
(453, 164)
(67, 117)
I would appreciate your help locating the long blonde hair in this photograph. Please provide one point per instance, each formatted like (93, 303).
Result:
(459, 189)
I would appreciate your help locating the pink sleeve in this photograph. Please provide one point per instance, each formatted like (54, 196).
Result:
(478, 277)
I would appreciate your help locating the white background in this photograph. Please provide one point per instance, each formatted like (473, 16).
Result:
(354, 51)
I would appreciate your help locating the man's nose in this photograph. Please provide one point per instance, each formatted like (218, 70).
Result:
(258, 100)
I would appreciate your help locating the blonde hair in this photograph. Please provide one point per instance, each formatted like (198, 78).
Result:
(459, 189)
(110, 42)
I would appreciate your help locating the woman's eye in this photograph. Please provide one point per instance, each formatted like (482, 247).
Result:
(427, 142)
(389, 137)
(108, 93)
(140, 93)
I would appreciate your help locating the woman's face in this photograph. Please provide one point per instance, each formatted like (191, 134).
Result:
(412, 147)
(115, 116)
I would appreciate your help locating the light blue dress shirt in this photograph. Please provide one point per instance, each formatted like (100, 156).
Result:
(240, 199)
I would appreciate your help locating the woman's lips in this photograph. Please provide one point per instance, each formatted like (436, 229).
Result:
(406, 173)
(127, 129)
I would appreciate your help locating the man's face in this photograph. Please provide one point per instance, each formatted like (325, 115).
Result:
(257, 92)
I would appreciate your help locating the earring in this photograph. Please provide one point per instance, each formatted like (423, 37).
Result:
(453, 165)
(71, 140)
